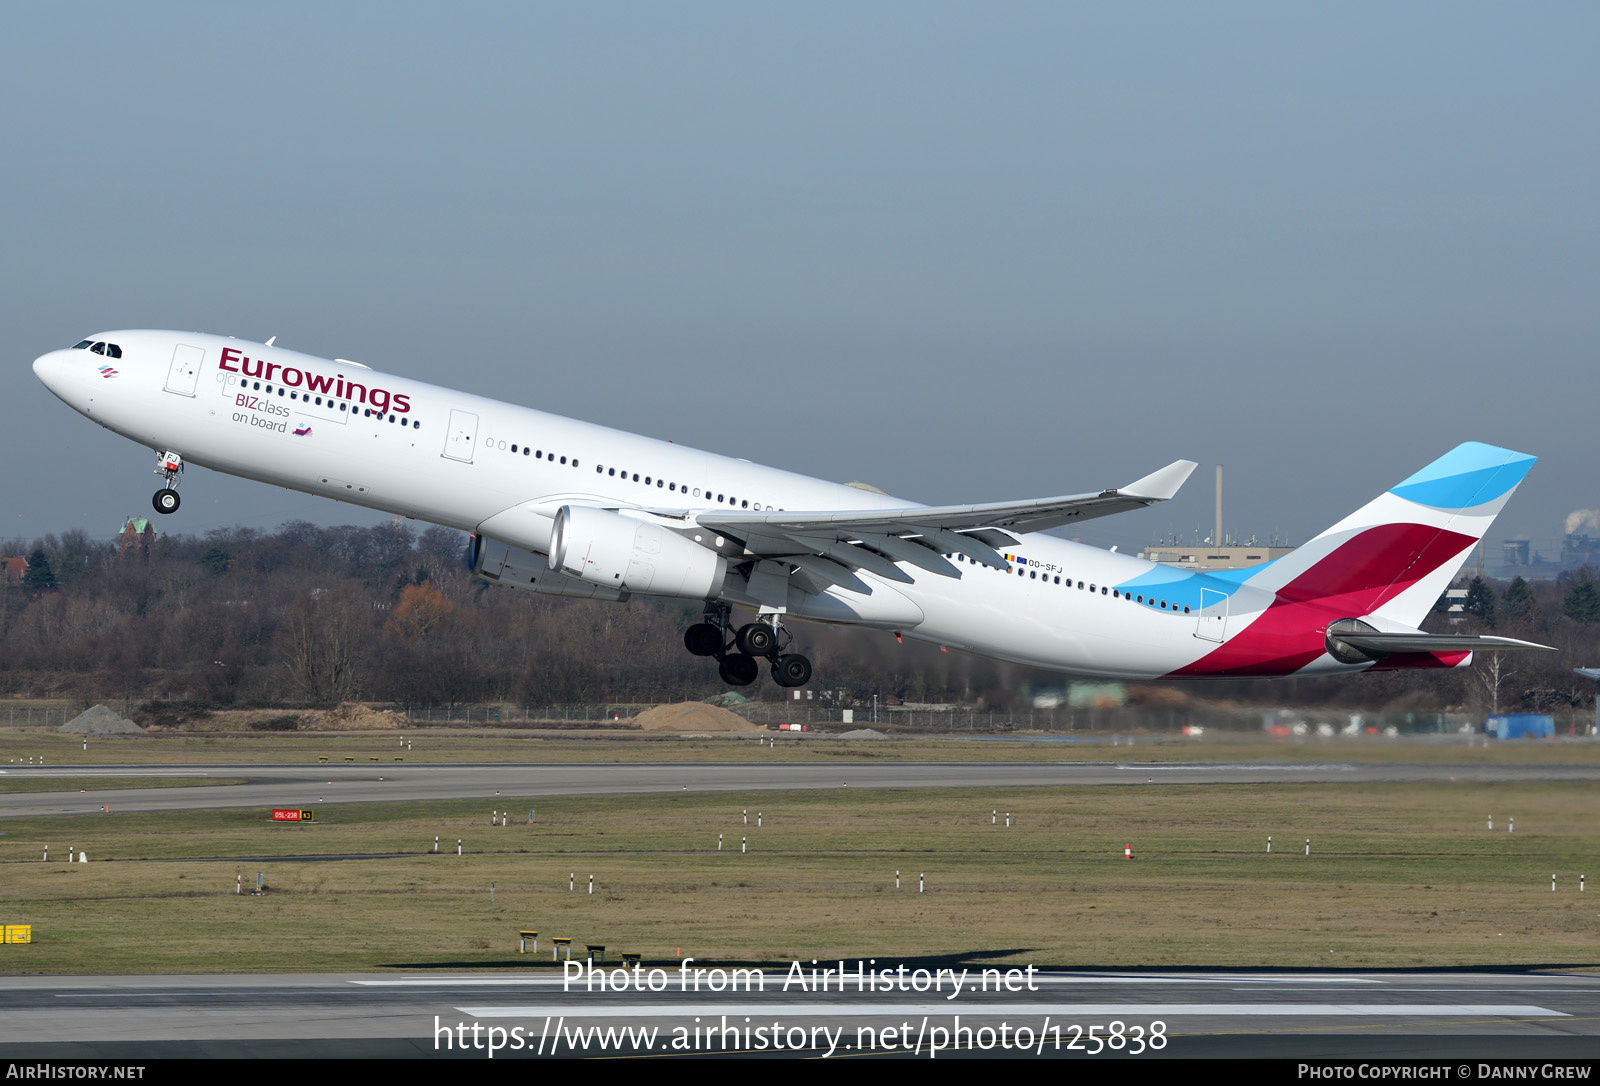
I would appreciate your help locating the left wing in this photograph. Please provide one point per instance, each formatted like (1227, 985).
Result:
(832, 545)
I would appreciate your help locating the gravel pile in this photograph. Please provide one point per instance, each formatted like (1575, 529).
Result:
(101, 721)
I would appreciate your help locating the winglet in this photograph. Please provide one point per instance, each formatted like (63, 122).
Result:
(1160, 485)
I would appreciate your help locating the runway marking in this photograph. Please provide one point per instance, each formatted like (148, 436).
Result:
(1464, 988)
(1066, 1011)
(1042, 978)
(454, 982)
(1163, 767)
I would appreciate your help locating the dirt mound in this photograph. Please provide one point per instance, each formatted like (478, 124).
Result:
(863, 733)
(693, 716)
(101, 721)
(351, 717)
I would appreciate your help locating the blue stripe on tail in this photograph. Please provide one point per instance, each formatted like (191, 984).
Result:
(1469, 475)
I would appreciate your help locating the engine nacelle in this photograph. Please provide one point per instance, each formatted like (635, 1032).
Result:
(504, 564)
(605, 548)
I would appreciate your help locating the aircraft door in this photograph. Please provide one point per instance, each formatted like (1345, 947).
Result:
(1213, 622)
(462, 436)
(185, 371)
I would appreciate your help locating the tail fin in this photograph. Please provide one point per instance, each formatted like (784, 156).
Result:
(1394, 557)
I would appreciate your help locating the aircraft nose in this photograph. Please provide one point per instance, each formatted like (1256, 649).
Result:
(51, 369)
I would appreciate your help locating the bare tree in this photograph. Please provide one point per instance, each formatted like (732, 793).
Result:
(1492, 673)
(325, 635)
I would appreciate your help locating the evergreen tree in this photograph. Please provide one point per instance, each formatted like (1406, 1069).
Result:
(1519, 599)
(39, 577)
(216, 561)
(1480, 602)
(1582, 603)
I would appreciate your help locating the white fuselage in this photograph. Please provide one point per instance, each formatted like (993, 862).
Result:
(483, 465)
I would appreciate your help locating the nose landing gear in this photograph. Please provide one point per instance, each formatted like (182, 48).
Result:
(169, 465)
(754, 640)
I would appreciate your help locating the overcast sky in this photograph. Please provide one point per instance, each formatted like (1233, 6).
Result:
(964, 252)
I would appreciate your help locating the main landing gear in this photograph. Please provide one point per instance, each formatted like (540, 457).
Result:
(757, 639)
(169, 465)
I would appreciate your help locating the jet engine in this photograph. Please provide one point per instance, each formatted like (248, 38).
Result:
(607, 549)
(504, 564)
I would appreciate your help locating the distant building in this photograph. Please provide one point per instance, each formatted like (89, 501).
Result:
(1517, 552)
(1203, 556)
(14, 569)
(133, 544)
(1580, 549)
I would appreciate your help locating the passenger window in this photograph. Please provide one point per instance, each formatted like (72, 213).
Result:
(563, 460)
(613, 471)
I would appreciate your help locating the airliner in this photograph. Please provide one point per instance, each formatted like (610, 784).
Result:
(569, 508)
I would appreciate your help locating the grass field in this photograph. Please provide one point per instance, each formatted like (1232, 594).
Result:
(464, 745)
(75, 784)
(1398, 876)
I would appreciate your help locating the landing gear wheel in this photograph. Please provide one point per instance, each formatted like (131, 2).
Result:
(703, 639)
(757, 639)
(738, 669)
(791, 670)
(166, 500)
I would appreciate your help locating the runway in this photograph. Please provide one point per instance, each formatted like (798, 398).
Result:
(1455, 1016)
(277, 785)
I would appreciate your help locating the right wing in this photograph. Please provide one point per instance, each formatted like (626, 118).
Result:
(832, 545)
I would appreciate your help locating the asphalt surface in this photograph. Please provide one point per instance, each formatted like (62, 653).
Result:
(1453, 1016)
(304, 785)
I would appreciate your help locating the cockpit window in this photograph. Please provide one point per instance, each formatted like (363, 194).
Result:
(81, 346)
(98, 348)
(113, 351)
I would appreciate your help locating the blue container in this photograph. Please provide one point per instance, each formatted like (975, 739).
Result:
(1522, 726)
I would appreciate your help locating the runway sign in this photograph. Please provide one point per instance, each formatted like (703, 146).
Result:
(294, 816)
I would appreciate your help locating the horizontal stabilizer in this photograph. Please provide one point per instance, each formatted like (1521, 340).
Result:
(1421, 641)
